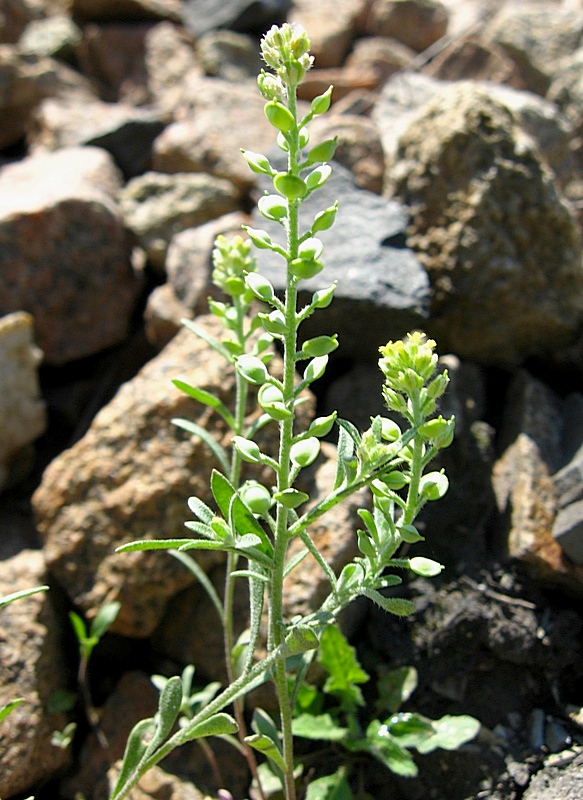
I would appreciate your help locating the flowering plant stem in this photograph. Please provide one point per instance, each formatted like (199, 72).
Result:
(256, 521)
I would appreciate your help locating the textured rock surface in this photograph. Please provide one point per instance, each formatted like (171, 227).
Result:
(32, 667)
(65, 255)
(22, 410)
(501, 292)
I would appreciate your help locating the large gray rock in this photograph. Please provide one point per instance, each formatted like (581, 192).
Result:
(382, 290)
(65, 254)
(134, 10)
(501, 247)
(32, 667)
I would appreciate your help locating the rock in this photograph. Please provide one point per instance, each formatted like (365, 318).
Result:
(126, 132)
(113, 58)
(558, 780)
(22, 411)
(155, 783)
(384, 57)
(55, 37)
(65, 255)
(169, 59)
(129, 478)
(217, 123)
(163, 315)
(535, 38)
(523, 487)
(359, 147)
(156, 206)
(32, 667)
(344, 80)
(416, 23)
(500, 245)
(134, 10)
(229, 55)
(201, 16)
(568, 531)
(331, 27)
(382, 291)
(469, 59)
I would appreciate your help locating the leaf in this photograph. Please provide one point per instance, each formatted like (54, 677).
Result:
(318, 727)
(9, 707)
(394, 605)
(263, 744)
(135, 748)
(201, 576)
(330, 787)
(409, 729)
(380, 744)
(206, 337)
(345, 463)
(78, 626)
(201, 510)
(222, 491)
(104, 618)
(10, 598)
(344, 672)
(293, 562)
(219, 724)
(395, 688)
(450, 733)
(169, 705)
(153, 544)
(206, 398)
(216, 449)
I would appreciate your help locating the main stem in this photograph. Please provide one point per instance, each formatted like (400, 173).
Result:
(276, 618)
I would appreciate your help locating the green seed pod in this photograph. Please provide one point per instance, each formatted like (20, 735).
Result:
(321, 104)
(323, 297)
(304, 268)
(318, 177)
(234, 286)
(282, 143)
(325, 219)
(303, 137)
(260, 286)
(274, 323)
(438, 386)
(394, 480)
(390, 431)
(279, 116)
(323, 152)
(252, 369)
(320, 346)
(290, 186)
(311, 248)
(260, 238)
(291, 498)
(271, 206)
(433, 486)
(321, 426)
(258, 163)
(271, 400)
(256, 497)
(247, 449)
(425, 567)
(305, 452)
(315, 369)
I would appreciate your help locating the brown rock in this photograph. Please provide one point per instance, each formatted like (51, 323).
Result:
(163, 315)
(416, 23)
(500, 245)
(380, 55)
(343, 79)
(331, 27)
(229, 55)
(156, 206)
(218, 123)
(31, 667)
(170, 59)
(468, 58)
(134, 10)
(113, 57)
(65, 255)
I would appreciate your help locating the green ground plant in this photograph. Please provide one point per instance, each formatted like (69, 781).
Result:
(253, 522)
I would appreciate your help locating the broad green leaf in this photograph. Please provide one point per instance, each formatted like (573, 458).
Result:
(206, 398)
(340, 662)
(219, 724)
(395, 688)
(104, 618)
(330, 787)
(380, 744)
(409, 729)
(319, 727)
(450, 733)
(10, 598)
(222, 491)
(136, 746)
(216, 449)
(9, 707)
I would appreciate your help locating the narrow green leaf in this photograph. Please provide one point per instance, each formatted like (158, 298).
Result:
(10, 598)
(201, 528)
(9, 707)
(201, 510)
(152, 544)
(206, 337)
(264, 745)
(216, 449)
(293, 562)
(104, 618)
(219, 724)
(207, 399)
(78, 626)
(135, 748)
(169, 704)
(394, 605)
(194, 567)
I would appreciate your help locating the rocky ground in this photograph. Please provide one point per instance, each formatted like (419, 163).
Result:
(460, 180)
